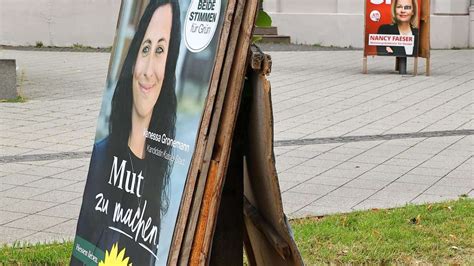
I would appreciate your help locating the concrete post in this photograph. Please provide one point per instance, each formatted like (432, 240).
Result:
(450, 7)
(8, 79)
(447, 16)
(471, 25)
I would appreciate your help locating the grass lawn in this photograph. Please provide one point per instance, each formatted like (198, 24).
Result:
(52, 254)
(18, 99)
(441, 233)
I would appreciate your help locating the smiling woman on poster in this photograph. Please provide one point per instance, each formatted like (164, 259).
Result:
(405, 23)
(127, 189)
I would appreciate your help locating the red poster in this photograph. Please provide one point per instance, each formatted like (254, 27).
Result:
(392, 27)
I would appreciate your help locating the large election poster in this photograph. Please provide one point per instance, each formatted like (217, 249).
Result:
(392, 27)
(157, 84)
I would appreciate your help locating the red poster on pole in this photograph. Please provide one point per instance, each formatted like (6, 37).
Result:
(392, 27)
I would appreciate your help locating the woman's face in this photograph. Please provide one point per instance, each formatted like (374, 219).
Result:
(150, 65)
(404, 10)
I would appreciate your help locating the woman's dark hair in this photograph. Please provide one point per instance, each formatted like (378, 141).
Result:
(163, 118)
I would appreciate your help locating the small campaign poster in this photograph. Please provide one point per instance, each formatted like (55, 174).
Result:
(156, 90)
(392, 27)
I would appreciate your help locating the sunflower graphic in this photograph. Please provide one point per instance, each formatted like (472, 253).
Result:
(114, 257)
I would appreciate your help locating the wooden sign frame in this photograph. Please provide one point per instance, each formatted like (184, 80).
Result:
(215, 231)
(205, 138)
(424, 35)
(217, 163)
(197, 218)
(260, 226)
(267, 235)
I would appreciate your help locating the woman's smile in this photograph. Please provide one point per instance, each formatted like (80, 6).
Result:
(145, 88)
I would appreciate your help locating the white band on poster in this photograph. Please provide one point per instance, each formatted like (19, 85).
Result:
(391, 40)
(201, 23)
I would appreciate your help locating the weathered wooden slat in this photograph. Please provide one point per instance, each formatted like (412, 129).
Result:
(277, 242)
(256, 57)
(425, 45)
(214, 115)
(222, 146)
(198, 156)
(226, 248)
(261, 186)
(248, 246)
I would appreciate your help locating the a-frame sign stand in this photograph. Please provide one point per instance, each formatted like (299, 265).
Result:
(243, 207)
(236, 197)
(251, 212)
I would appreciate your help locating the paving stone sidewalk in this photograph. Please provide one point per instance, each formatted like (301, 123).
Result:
(344, 141)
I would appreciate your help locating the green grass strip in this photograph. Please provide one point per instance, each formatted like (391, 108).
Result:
(50, 254)
(441, 233)
(18, 99)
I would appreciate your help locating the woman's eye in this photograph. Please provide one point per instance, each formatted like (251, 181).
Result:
(146, 49)
(159, 50)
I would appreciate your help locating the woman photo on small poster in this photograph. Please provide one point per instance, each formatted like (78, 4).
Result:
(127, 189)
(405, 23)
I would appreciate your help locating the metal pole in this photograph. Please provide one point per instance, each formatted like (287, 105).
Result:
(402, 65)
